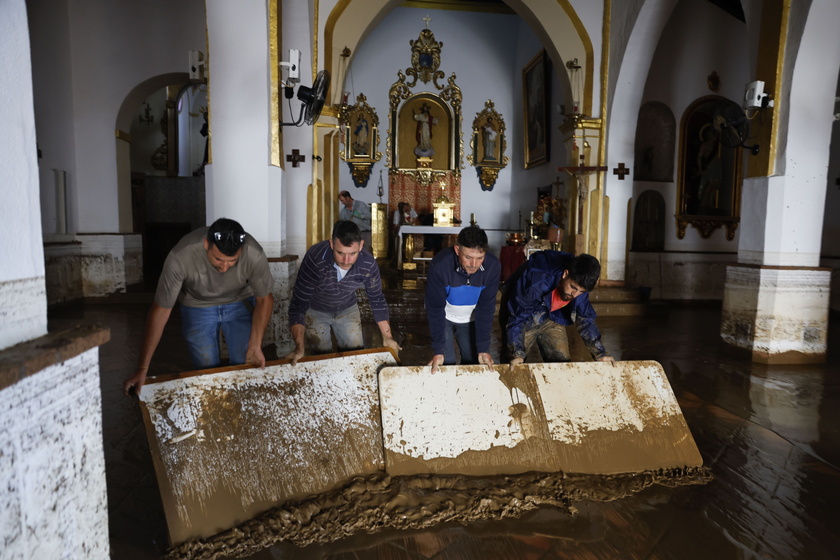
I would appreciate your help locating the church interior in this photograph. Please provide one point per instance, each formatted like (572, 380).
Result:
(686, 144)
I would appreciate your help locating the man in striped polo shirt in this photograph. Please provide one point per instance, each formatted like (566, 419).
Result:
(324, 296)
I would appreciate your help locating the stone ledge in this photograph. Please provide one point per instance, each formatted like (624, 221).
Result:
(28, 358)
(285, 258)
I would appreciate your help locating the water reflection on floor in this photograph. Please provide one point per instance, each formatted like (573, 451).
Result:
(770, 434)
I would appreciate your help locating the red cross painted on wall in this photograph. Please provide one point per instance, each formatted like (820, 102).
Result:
(295, 158)
(621, 171)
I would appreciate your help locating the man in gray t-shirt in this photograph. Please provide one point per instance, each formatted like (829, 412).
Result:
(218, 275)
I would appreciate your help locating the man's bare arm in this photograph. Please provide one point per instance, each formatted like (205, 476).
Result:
(259, 322)
(155, 322)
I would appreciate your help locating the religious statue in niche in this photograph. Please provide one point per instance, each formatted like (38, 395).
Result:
(489, 135)
(424, 146)
(488, 146)
(360, 138)
(425, 123)
(424, 139)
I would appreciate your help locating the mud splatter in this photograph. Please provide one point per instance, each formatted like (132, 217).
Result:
(376, 502)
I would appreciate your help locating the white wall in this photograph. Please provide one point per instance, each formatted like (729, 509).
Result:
(527, 181)
(89, 56)
(238, 182)
(699, 38)
(23, 310)
(53, 498)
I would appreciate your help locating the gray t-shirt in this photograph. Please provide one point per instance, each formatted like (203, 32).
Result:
(360, 214)
(189, 278)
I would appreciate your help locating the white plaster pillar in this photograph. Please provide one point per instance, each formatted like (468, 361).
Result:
(776, 298)
(23, 311)
(297, 34)
(241, 184)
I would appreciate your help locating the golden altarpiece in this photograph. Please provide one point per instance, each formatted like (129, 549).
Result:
(425, 146)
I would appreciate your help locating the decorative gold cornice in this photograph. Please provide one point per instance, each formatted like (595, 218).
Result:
(123, 135)
(579, 122)
(275, 112)
(315, 24)
(460, 5)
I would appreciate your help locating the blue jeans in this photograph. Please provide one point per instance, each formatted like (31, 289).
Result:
(346, 325)
(464, 334)
(201, 327)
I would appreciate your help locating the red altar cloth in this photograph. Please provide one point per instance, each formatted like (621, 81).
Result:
(512, 256)
(402, 187)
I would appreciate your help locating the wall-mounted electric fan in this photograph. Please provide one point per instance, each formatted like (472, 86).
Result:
(734, 128)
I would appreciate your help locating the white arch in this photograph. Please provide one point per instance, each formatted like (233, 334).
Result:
(629, 78)
(810, 120)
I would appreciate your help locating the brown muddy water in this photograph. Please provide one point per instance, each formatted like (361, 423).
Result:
(769, 437)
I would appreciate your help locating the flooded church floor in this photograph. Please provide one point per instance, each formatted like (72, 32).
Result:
(769, 434)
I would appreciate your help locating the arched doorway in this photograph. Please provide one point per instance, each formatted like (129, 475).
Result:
(164, 160)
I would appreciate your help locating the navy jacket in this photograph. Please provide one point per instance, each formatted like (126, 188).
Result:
(528, 301)
(473, 295)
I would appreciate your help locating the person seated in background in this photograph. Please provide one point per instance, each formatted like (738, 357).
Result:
(461, 300)
(404, 215)
(324, 296)
(548, 292)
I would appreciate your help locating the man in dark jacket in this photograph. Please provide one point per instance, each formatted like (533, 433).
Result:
(544, 295)
(461, 299)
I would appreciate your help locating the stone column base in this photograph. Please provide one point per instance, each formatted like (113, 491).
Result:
(778, 313)
(284, 271)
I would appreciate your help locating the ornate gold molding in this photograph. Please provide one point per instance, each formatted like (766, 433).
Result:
(425, 59)
(707, 226)
(488, 145)
(360, 138)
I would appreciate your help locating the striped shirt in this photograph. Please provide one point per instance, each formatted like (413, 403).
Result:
(317, 285)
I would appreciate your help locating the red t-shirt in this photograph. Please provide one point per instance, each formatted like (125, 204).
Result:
(556, 301)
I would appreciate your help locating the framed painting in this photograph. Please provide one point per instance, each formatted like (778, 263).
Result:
(535, 96)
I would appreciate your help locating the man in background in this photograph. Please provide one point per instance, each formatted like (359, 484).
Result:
(357, 212)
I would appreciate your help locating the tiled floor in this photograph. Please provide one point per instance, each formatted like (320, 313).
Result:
(770, 434)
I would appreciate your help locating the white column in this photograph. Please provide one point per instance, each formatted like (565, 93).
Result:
(240, 182)
(776, 298)
(22, 291)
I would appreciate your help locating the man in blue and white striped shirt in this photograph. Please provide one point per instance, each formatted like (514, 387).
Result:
(324, 296)
(461, 300)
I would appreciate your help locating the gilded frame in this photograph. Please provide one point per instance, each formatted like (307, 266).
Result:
(488, 145)
(710, 173)
(360, 139)
(536, 96)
